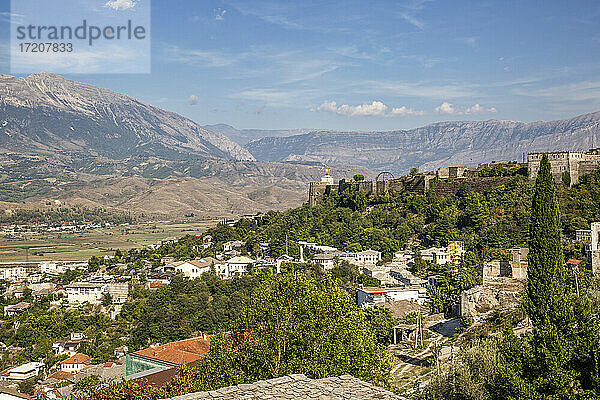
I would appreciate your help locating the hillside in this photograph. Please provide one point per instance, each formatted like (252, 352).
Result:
(79, 144)
(432, 146)
(46, 113)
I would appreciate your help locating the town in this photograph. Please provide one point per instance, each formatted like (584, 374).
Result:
(407, 282)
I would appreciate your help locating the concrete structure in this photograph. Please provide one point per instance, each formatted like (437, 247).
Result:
(360, 257)
(404, 276)
(370, 296)
(228, 246)
(571, 164)
(583, 235)
(15, 309)
(298, 387)
(23, 372)
(403, 259)
(86, 292)
(593, 249)
(69, 346)
(327, 261)
(167, 355)
(119, 291)
(515, 269)
(15, 273)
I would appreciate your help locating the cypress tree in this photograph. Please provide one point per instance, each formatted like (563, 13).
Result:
(546, 287)
(548, 301)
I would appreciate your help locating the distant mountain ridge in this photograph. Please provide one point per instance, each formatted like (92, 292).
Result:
(48, 113)
(434, 145)
(244, 136)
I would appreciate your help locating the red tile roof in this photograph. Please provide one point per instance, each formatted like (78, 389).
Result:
(178, 353)
(61, 375)
(573, 261)
(78, 358)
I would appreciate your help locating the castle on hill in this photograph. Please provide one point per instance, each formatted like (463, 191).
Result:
(566, 167)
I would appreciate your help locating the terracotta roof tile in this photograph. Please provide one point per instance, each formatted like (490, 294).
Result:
(78, 358)
(178, 353)
(60, 375)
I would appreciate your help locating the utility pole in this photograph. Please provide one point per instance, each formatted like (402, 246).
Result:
(286, 245)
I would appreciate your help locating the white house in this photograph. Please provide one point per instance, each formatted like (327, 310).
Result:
(119, 291)
(238, 266)
(85, 292)
(403, 258)
(75, 363)
(453, 253)
(327, 261)
(360, 257)
(13, 274)
(24, 371)
(194, 268)
(10, 311)
(228, 246)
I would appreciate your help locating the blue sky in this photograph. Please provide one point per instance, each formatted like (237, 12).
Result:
(365, 65)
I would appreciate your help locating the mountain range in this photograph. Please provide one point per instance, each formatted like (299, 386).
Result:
(84, 145)
(46, 113)
(434, 145)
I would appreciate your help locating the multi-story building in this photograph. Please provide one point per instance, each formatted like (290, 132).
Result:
(327, 261)
(360, 257)
(566, 166)
(583, 235)
(86, 292)
(22, 372)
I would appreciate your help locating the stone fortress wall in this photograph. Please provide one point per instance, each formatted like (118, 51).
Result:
(448, 180)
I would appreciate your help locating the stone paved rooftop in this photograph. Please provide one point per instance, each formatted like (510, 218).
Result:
(298, 387)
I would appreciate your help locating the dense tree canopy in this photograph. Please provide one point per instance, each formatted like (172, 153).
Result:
(293, 323)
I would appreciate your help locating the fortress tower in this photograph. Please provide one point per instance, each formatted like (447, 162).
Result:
(317, 190)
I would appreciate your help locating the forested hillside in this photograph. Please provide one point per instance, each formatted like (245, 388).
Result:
(495, 219)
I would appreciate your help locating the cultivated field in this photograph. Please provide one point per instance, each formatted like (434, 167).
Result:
(98, 242)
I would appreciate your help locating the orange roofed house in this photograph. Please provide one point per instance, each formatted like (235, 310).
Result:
(75, 363)
(167, 355)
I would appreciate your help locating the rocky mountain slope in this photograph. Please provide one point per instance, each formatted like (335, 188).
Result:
(46, 113)
(62, 140)
(431, 146)
(244, 136)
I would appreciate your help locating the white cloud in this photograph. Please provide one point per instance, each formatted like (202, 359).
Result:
(402, 111)
(205, 58)
(121, 4)
(220, 14)
(449, 108)
(375, 108)
(445, 108)
(193, 100)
